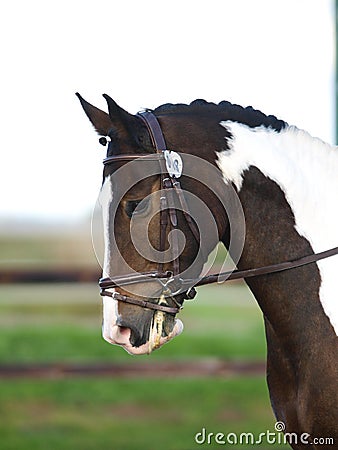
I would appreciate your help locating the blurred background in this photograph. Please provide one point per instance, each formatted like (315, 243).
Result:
(62, 386)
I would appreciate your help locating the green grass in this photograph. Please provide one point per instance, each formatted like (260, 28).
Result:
(129, 414)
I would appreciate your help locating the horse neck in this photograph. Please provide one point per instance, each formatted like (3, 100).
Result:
(290, 300)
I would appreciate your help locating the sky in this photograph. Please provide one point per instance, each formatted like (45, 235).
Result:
(276, 55)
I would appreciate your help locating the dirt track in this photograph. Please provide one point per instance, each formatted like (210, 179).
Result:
(200, 368)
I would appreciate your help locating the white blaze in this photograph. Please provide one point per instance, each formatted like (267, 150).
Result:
(106, 197)
(111, 332)
(109, 304)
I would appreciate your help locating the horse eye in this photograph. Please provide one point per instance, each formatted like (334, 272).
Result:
(132, 205)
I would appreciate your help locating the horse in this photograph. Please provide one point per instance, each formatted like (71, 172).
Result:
(267, 186)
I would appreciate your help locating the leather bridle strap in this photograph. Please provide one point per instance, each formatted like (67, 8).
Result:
(222, 276)
(106, 283)
(140, 156)
(265, 270)
(185, 209)
(154, 130)
(144, 304)
(168, 215)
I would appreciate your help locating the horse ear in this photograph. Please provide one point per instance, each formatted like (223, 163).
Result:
(101, 120)
(118, 115)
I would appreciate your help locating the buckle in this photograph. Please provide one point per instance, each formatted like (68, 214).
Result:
(190, 294)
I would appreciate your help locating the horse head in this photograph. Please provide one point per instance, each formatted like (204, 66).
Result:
(145, 236)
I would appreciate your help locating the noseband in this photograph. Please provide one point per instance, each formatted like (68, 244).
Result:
(170, 281)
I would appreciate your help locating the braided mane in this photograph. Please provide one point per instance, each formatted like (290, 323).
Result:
(235, 113)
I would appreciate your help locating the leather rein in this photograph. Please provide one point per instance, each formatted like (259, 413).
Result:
(170, 280)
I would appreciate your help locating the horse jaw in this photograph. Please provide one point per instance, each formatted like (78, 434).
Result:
(116, 335)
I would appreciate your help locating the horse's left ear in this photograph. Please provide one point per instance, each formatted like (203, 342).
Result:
(117, 114)
(100, 119)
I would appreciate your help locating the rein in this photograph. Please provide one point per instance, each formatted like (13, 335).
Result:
(170, 280)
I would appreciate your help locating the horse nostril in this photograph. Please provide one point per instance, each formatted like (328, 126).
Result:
(124, 331)
(128, 331)
(121, 335)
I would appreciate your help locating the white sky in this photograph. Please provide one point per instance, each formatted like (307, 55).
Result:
(276, 55)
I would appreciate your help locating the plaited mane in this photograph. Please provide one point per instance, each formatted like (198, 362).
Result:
(228, 111)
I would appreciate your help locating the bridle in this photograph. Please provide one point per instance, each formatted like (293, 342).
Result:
(170, 281)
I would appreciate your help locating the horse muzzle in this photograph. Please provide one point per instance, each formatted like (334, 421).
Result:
(138, 330)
